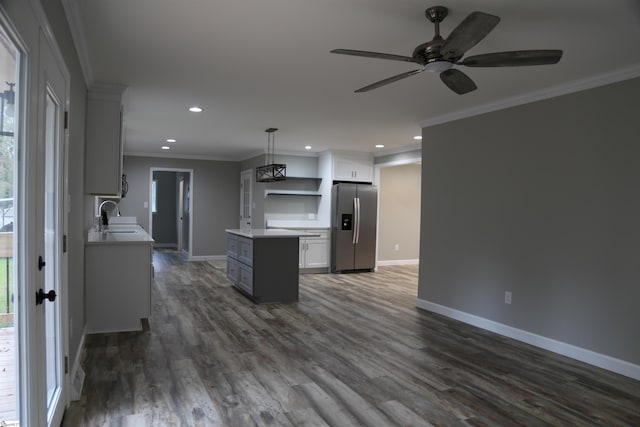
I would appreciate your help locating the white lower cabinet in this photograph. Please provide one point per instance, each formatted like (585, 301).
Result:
(118, 286)
(314, 251)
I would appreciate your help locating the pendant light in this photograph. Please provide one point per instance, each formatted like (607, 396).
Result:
(271, 171)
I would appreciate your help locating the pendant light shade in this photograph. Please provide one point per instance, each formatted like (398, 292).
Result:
(271, 171)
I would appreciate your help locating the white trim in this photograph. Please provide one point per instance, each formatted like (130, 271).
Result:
(79, 40)
(411, 161)
(208, 258)
(404, 149)
(399, 262)
(181, 156)
(587, 356)
(77, 373)
(564, 89)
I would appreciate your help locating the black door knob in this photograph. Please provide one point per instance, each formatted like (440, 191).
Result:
(41, 296)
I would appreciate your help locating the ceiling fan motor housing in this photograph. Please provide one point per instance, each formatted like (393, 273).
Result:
(429, 55)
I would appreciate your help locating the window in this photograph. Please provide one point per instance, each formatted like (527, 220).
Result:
(154, 196)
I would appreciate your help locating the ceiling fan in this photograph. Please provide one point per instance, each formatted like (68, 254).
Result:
(439, 54)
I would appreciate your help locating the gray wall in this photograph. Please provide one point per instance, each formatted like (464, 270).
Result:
(399, 213)
(78, 220)
(215, 193)
(165, 220)
(541, 200)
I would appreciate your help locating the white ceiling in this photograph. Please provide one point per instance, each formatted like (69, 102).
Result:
(254, 64)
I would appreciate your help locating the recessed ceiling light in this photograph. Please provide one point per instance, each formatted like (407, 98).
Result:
(171, 140)
(417, 137)
(307, 147)
(166, 147)
(195, 109)
(379, 146)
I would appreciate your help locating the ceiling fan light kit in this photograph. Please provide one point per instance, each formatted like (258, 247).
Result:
(439, 55)
(271, 171)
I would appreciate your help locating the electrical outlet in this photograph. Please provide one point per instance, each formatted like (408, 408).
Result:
(507, 297)
(397, 247)
(146, 205)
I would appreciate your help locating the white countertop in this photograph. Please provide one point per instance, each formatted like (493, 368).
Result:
(277, 223)
(262, 233)
(119, 234)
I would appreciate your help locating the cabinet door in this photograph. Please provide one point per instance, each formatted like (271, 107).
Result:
(352, 169)
(103, 157)
(302, 250)
(317, 253)
(363, 170)
(245, 251)
(343, 169)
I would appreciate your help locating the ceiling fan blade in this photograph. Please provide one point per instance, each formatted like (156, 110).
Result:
(377, 55)
(514, 58)
(457, 81)
(389, 80)
(468, 33)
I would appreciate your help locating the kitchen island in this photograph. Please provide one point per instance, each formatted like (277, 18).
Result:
(119, 270)
(263, 263)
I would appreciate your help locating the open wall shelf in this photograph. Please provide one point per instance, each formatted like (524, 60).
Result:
(277, 192)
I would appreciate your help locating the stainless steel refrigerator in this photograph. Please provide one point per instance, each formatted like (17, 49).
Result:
(353, 227)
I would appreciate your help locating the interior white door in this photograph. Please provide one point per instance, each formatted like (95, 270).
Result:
(246, 198)
(51, 311)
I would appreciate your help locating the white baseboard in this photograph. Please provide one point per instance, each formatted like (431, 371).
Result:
(77, 373)
(398, 262)
(208, 258)
(587, 356)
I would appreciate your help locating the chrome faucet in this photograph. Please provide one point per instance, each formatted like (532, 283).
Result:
(102, 222)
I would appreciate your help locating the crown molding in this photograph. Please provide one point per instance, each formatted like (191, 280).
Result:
(552, 92)
(180, 156)
(72, 11)
(397, 150)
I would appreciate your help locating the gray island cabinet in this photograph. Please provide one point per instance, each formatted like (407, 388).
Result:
(263, 263)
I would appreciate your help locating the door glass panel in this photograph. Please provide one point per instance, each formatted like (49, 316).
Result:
(245, 198)
(10, 246)
(51, 225)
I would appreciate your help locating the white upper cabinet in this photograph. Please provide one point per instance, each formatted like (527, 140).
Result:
(104, 145)
(353, 168)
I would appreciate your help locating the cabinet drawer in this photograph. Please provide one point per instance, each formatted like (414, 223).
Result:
(245, 251)
(246, 279)
(323, 233)
(233, 270)
(232, 246)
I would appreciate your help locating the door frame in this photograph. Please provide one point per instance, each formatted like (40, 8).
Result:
(243, 223)
(25, 22)
(191, 193)
(61, 205)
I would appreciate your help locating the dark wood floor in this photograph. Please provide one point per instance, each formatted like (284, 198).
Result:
(353, 351)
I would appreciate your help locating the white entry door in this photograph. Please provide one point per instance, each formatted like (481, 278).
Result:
(50, 296)
(32, 129)
(246, 185)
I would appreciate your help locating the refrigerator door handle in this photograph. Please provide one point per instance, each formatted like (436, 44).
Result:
(357, 226)
(354, 240)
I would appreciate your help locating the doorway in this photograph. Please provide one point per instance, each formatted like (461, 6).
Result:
(170, 213)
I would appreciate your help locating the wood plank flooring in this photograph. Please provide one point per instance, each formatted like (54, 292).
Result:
(353, 352)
